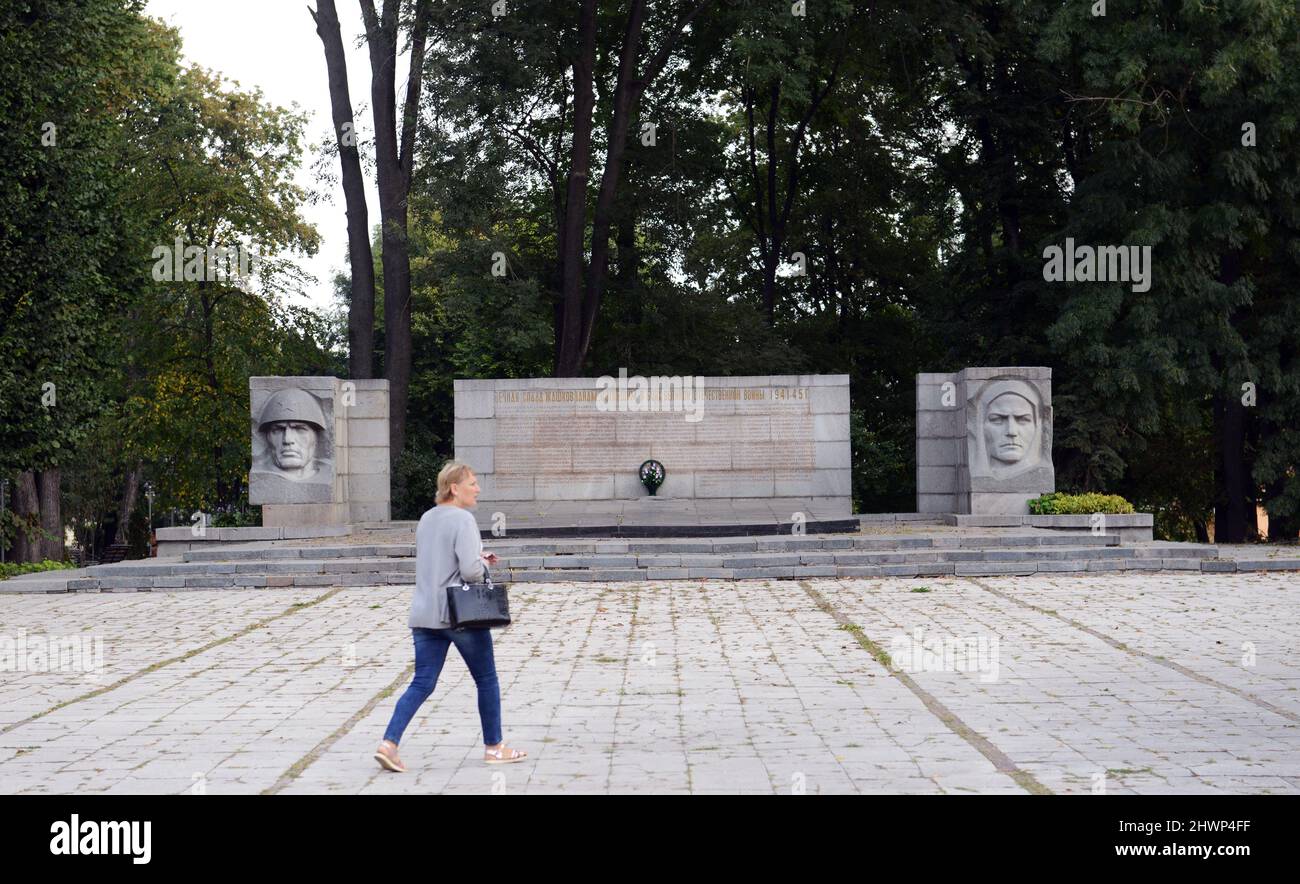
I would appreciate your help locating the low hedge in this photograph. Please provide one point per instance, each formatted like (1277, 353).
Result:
(13, 569)
(1057, 504)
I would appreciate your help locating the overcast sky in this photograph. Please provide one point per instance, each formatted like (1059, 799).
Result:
(272, 44)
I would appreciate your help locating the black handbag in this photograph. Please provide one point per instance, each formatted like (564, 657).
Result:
(481, 605)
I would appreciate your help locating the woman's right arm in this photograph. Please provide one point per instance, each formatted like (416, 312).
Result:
(468, 547)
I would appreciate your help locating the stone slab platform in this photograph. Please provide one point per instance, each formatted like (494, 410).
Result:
(903, 554)
(1130, 527)
(1103, 683)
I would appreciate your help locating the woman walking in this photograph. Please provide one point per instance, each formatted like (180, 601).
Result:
(449, 550)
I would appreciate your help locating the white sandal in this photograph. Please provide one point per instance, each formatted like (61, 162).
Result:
(499, 756)
(388, 758)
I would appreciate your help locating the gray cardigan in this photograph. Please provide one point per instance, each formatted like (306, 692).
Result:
(447, 549)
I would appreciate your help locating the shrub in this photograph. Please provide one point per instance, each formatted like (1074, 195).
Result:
(415, 478)
(13, 569)
(882, 470)
(1058, 504)
(246, 517)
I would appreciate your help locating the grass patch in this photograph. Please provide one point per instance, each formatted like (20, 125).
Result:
(880, 655)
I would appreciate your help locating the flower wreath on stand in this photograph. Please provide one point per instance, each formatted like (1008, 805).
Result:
(652, 475)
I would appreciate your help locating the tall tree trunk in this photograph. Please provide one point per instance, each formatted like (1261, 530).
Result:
(393, 169)
(1008, 200)
(1230, 517)
(626, 92)
(209, 307)
(776, 228)
(773, 217)
(626, 277)
(838, 294)
(27, 507)
(579, 307)
(126, 505)
(1235, 500)
(569, 363)
(361, 306)
(47, 487)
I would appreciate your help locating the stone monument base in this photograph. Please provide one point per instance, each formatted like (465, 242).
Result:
(299, 515)
(666, 517)
(994, 503)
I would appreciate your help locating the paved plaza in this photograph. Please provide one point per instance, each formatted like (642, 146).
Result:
(1151, 683)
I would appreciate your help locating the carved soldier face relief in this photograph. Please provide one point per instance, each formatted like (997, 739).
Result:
(293, 448)
(292, 431)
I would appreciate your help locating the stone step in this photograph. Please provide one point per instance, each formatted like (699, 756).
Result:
(560, 559)
(401, 558)
(706, 545)
(337, 576)
(567, 561)
(599, 528)
(46, 584)
(808, 557)
(785, 544)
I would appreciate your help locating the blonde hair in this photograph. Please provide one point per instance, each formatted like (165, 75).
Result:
(452, 471)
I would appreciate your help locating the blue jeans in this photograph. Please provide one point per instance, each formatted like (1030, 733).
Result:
(475, 646)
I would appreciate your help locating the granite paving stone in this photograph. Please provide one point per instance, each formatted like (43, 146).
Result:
(1122, 682)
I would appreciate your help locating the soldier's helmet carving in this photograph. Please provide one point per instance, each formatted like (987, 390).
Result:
(292, 404)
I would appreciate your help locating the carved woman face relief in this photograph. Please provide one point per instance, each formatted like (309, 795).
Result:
(1010, 428)
(1007, 456)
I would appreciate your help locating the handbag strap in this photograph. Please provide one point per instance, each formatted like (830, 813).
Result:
(487, 578)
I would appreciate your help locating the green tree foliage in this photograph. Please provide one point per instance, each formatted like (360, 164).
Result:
(106, 370)
(217, 171)
(1188, 117)
(920, 157)
(71, 75)
(867, 188)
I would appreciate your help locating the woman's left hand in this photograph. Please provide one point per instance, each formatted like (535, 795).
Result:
(490, 558)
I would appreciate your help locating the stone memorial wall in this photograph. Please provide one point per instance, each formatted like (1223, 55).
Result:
(983, 440)
(319, 450)
(780, 437)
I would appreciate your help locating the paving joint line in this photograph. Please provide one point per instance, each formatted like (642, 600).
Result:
(758, 626)
(711, 614)
(999, 759)
(628, 654)
(1151, 658)
(295, 770)
(586, 640)
(154, 667)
